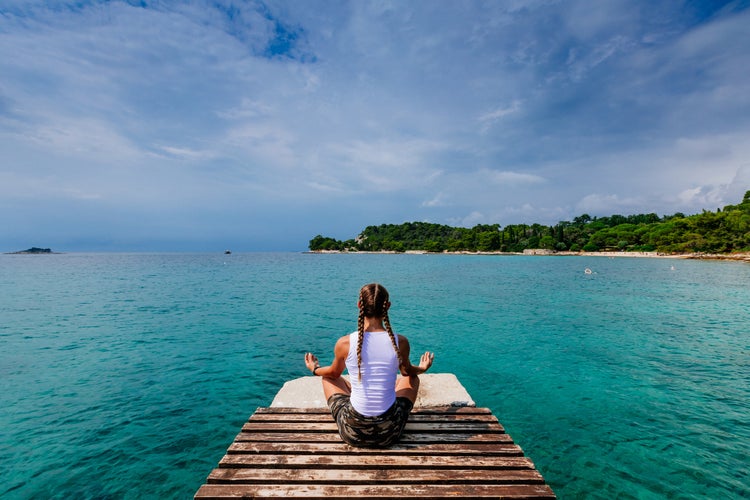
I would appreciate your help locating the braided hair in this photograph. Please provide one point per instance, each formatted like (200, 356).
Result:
(373, 299)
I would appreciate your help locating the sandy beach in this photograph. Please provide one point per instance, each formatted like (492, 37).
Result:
(740, 256)
(708, 256)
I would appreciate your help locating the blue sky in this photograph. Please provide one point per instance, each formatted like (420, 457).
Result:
(203, 125)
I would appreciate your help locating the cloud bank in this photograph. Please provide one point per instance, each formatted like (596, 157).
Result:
(166, 125)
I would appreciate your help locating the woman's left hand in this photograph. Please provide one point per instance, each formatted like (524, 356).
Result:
(425, 362)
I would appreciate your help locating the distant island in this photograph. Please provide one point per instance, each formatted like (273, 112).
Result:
(33, 250)
(725, 231)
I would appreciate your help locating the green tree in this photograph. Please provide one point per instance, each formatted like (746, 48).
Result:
(547, 242)
(488, 241)
(319, 243)
(433, 246)
(725, 230)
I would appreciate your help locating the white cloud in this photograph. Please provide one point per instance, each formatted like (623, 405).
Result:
(482, 188)
(386, 165)
(326, 188)
(607, 204)
(740, 184)
(713, 196)
(247, 109)
(469, 220)
(512, 178)
(436, 201)
(185, 153)
(489, 118)
(74, 136)
(271, 145)
(580, 65)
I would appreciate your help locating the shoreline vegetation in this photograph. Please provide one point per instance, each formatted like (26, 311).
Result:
(33, 251)
(724, 234)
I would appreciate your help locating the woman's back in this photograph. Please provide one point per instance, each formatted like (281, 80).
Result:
(375, 392)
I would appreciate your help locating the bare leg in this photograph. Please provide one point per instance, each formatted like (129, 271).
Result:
(407, 387)
(337, 385)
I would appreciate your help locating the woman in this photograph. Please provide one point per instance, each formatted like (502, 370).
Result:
(371, 410)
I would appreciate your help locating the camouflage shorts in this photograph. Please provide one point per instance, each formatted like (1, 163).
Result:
(369, 432)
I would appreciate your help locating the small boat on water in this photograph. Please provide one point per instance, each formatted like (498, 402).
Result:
(227, 252)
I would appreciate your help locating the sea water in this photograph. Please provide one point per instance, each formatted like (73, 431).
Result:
(128, 375)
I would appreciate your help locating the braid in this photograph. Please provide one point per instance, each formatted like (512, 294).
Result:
(360, 341)
(387, 323)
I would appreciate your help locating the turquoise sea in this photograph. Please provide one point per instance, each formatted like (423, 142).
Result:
(128, 375)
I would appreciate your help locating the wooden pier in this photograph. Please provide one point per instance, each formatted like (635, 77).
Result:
(445, 452)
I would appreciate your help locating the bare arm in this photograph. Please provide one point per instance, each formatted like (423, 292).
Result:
(425, 362)
(336, 368)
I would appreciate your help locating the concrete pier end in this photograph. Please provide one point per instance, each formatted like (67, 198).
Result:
(435, 389)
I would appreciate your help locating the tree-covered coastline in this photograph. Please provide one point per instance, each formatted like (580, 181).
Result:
(725, 231)
(34, 251)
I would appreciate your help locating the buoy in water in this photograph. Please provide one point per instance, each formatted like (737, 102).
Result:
(587, 271)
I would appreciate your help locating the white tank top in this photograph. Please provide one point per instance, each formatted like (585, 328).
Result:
(377, 391)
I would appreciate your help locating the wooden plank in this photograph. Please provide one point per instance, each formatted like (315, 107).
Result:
(461, 417)
(442, 410)
(452, 427)
(380, 475)
(326, 417)
(284, 427)
(316, 491)
(369, 461)
(399, 449)
(406, 438)
(444, 453)
(289, 437)
(448, 410)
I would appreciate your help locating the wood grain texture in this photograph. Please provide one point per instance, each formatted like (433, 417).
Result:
(445, 452)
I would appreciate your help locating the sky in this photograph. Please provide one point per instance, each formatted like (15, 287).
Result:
(204, 125)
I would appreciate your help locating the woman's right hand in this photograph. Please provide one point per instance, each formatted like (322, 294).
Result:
(311, 361)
